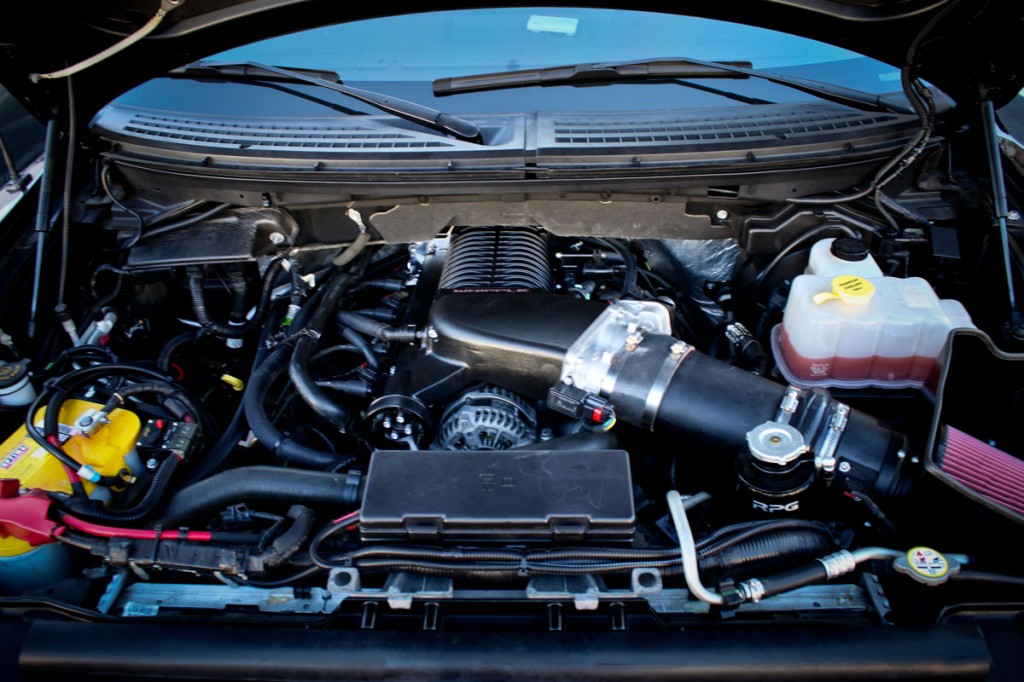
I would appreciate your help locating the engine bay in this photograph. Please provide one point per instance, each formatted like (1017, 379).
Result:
(267, 410)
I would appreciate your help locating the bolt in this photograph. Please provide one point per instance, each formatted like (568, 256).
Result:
(901, 454)
(632, 341)
(1013, 214)
(677, 349)
(276, 238)
(844, 467)
(400, 418)
(546, 434)
(915, 460)
(722, 214)
(151, 464)
(387, 423)
(85, 421)
(431, 333)
(407, 430)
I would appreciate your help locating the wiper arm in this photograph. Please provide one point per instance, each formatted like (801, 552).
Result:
(410, 111)
(671, 67)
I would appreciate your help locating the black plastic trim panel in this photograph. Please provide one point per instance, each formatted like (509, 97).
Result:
(56, 650)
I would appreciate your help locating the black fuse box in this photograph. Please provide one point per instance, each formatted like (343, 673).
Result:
(498, 496)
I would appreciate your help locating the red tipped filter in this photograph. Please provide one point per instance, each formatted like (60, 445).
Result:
(986, 470)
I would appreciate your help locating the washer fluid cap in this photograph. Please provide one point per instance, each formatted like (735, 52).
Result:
(849, 249)
(848, 289)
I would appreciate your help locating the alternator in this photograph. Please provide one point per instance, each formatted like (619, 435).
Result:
(487, 418)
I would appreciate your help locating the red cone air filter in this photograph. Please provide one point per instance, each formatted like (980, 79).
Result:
(984, 469)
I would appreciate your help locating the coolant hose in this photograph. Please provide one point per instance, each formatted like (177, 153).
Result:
(308, 339)
(286, 449)
(375, 329)
(232, 331)
(259, 485)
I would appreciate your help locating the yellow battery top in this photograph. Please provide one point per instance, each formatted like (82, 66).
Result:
(108, 450)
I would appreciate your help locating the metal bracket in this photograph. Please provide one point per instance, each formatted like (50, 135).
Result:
(402, 588)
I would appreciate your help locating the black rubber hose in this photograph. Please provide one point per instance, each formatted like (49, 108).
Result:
(261, 484)
(308, 339)
(314, 396)
(259, 384)
(236, 283)
(766, 550)
(287, 543)
(375, 329)
(147, 505)
(362, 345)
(707, 548)
(354, 387)
(810, 574)
(163, 361)
(231, 331)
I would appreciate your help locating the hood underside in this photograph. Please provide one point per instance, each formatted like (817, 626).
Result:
(971, 54)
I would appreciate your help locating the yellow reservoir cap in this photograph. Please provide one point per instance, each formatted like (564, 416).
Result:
(848, 289)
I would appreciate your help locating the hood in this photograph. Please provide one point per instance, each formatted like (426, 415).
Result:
(972, 54)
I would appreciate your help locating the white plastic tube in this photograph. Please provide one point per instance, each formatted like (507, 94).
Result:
(688, 549)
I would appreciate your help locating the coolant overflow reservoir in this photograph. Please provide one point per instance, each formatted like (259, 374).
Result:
(857, 328)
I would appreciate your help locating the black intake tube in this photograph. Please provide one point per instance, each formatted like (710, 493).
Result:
(712, 405)
(261, 484)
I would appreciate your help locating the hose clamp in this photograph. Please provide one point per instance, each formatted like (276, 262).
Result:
(677, 353)
(627, 333)
(825, 459)
(753, 590)
(788, 405)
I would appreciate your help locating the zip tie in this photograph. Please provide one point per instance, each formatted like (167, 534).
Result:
(147, 28)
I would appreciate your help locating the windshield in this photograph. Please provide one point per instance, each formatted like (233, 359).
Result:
(402, 55)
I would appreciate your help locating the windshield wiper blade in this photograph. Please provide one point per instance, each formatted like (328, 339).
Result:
(669, 67)
(449, 124)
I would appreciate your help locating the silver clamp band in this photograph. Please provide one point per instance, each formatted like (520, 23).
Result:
(787, 406)
(840, 563)
(826, 457)
(677, 353)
